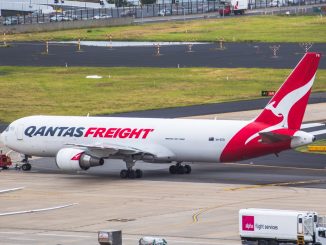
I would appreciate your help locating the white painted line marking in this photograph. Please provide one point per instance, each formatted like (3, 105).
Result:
(10, 190)
(61, 235)
(12, 232)
(20, 239)
(37, 210)
(186, 241)
(319, 132)
(311, 125)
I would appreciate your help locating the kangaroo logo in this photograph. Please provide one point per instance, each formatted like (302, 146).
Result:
(282, 109)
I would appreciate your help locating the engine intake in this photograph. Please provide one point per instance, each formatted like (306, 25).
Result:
(76, 159)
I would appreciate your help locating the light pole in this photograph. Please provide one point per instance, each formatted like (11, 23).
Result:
(184, 13)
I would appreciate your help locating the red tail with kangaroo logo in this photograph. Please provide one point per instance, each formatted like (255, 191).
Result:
(277, 127)
(289, 103)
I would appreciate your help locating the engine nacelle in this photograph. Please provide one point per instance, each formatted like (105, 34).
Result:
(76, 159)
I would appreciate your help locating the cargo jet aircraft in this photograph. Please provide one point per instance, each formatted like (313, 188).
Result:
(79, 143)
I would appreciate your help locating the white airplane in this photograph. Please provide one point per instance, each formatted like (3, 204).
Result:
(78, 143)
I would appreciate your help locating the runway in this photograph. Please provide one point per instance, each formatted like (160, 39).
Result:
(247, 55)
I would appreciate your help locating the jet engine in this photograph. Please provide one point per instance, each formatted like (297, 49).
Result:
(76, 159)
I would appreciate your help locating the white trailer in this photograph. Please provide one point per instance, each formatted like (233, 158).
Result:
(239, 6)
(268, 226)
(233, 6)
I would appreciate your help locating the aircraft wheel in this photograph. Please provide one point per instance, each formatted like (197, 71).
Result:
(139, 173)
(123, 173)
(26, 167)
(131, 174)
(173, 169)
(187, 169)
(5, 168)
(181, 169)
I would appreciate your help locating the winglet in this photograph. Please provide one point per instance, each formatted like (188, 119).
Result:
(289, 103)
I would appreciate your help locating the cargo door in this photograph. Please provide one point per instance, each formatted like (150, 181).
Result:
(19, 132)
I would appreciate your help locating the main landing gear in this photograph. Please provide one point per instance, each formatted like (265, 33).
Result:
(180, 169)
(26, 165)
(129, 172)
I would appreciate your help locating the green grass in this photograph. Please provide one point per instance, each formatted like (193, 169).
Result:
(305, 148)
(244, 28)
(65, 91)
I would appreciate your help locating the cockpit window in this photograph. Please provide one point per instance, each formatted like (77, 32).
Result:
(7, 129)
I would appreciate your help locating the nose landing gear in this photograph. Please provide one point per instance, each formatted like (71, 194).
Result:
(180, 169)
(26, 165)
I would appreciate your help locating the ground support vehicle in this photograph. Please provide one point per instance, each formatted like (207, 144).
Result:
(273, 227)
(233, 7)
(5, 161)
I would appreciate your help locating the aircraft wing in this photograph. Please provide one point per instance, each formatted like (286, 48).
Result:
(271, 137)
(107, 150)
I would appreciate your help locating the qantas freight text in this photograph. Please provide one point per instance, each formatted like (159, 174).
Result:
(121, 133)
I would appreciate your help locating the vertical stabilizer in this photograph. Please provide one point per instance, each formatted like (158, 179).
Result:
(288, 105)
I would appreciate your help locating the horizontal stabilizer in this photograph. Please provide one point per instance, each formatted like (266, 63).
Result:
(270, 137)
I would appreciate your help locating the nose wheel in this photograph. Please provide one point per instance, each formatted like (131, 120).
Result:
(26, 166)
(180, 169)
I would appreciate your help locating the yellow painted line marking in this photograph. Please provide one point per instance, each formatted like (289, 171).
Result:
(195, 216)
(274, 184)
(280, 167)
(317, 147)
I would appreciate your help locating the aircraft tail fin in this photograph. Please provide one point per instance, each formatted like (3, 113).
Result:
(288, 105)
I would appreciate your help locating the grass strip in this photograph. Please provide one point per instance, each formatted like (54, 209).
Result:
(237, 29)
(66, 91)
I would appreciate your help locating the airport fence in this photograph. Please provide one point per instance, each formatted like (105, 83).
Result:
(145, 11)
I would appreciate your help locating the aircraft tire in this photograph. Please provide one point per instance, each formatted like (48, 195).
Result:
(187, 169)
(26, 167)
(181, 169)
(123, 174)
(139, 173)
(173, 169)
(131, 174)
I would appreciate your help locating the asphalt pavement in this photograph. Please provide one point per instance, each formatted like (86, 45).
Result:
(232, 55)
